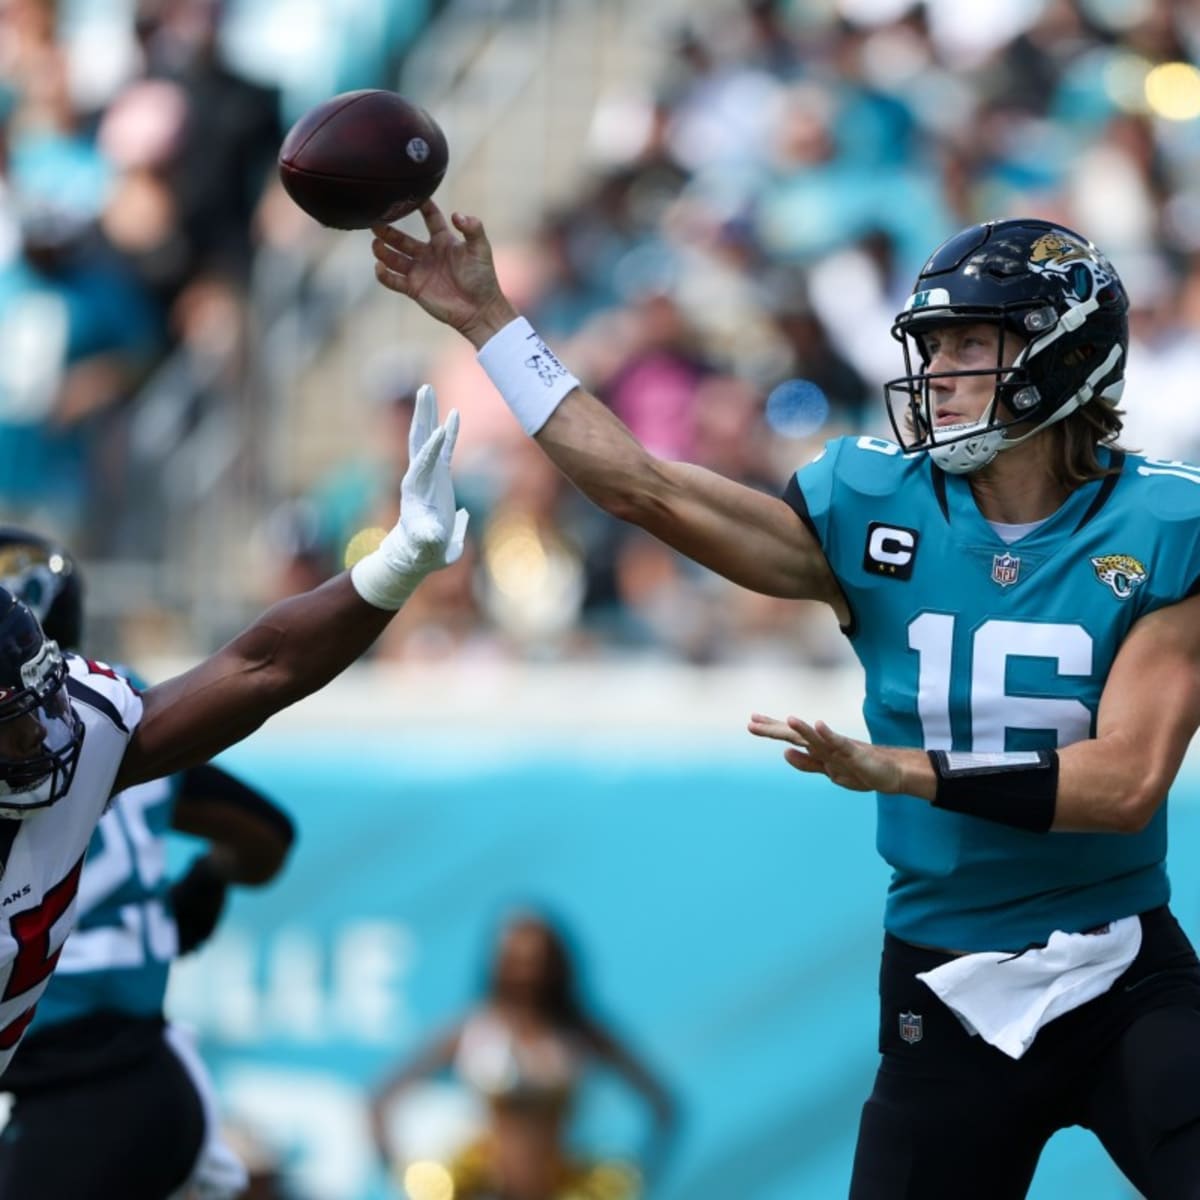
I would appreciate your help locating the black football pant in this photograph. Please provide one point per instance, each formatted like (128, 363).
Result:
(952, 1117)
(129, 1134)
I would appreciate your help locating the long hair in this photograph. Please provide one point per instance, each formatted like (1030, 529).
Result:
(560, 997)
(1080, 437)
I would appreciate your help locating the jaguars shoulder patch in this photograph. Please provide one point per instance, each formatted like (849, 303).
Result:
(1122, 573)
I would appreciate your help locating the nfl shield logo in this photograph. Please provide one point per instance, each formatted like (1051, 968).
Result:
(912, 1027)
(1005, 569)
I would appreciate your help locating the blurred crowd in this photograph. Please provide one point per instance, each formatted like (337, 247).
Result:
(133, 169)
(138, 199)
(724, 277)
(727, 276)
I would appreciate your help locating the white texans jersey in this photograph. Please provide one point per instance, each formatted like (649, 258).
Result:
(41, 876)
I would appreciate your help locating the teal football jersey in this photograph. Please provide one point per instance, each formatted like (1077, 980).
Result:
(117, 957)
(970, 644)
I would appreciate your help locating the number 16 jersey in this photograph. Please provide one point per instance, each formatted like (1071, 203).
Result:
(970, 643)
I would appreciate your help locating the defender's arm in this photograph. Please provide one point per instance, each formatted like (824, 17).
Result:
(301, 643)
(294, 648)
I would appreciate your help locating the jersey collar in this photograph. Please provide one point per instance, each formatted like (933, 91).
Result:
(957, 502)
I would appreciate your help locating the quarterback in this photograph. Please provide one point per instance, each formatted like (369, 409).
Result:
(1022, 596)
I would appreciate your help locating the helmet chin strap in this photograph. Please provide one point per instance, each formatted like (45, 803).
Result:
(968, 454)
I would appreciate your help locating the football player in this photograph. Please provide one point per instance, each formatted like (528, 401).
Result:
(99, 1055)
(1023, 597)
(73, 732)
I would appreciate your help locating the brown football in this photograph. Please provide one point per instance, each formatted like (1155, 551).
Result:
(362, 156)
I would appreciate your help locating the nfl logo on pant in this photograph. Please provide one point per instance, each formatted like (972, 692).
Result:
(912, 1027)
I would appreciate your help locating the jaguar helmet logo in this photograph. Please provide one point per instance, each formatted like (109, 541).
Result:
(1079, 267)
(1059, 248)
(1121, 572)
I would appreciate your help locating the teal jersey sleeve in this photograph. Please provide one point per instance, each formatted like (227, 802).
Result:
(866, 503)
(1163, 514)
(810, 490)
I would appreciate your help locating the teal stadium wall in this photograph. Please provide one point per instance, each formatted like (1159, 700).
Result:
(727, 910)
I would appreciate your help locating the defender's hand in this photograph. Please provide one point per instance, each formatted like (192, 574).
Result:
(452, 278)
(430, 531)
(851, 764)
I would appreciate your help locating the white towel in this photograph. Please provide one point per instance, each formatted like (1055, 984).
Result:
(1006, 999)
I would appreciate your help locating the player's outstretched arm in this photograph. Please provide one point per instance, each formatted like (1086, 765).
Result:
(300, 644)
(249, 839)
(754, 539)
(249, 835)
(1111, 783)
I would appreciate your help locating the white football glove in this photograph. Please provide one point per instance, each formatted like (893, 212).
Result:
(430, 532)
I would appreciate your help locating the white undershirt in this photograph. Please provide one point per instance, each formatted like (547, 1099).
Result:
(1010, 533)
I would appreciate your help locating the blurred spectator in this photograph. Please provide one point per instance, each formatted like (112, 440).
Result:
(77, 332)
(1028, 68)
(141, 133)
(531, 577)
(524, 1050)
(52, 156)
(720, 107)
(229, 138)
(569, 292)
(310, 536)
(654, 390)
(815, 357)
(1164, 362)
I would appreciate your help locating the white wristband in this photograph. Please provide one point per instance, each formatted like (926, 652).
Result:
(381, 584)
(526, 373)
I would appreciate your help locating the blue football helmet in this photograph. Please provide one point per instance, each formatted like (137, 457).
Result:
(42, 574)
(41, 735)
(1039, 281)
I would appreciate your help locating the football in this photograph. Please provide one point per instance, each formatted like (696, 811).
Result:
(361, 157)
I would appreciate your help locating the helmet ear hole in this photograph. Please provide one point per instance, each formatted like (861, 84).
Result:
(1039, 320)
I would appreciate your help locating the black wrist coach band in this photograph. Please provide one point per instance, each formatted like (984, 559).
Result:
(1012, 789)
